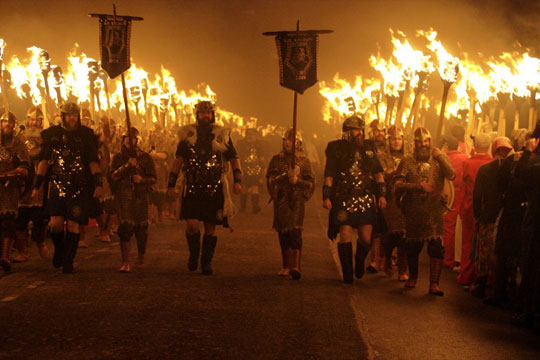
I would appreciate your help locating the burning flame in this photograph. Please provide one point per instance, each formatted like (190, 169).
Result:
(345, 98)
(448, 65)
(152, 98)
(509, 76)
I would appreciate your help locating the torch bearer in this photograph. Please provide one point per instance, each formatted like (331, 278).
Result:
(297, 53)
(447, 82)
(114, 37)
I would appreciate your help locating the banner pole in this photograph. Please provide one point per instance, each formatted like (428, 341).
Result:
(295, 107)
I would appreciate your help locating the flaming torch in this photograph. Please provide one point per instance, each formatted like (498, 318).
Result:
(45, 66)
(518, 102)
(420, 88)
(58, 82)
(504, 98)
(2, 85)
(448, 67)
(135, 94)
(105, 79)
(93, 70)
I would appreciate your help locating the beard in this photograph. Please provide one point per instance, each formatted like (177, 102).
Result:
(70, 126)
(32, 132)
(394, 151)
(6, 137)
(358, 139)
(422, 153)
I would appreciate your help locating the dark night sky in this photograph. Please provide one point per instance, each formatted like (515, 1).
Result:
(220, 42)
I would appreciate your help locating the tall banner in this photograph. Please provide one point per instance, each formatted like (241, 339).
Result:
(297, 60)
(114, 36)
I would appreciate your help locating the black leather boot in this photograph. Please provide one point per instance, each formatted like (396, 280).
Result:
(71, 243)
(208, 249)
(359, 259)
(194, 245)
(346, 259)
(58, 241)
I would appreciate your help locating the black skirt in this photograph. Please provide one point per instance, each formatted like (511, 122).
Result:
(208, 209)
(340, 215)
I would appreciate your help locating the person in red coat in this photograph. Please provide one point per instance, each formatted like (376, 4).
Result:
(470, 169)
(457, 158)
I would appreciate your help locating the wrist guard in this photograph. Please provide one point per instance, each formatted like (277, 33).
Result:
(326, 192)
(172, 180)
(38, 181)
(381, 190)
(98, 179)
(237, 176)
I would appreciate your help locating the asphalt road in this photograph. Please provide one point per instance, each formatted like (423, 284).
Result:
(243, 311)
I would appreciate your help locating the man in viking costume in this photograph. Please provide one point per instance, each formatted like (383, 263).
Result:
(251, 152)
(30, 210)
(353, 189)
(419, 183)
(132, 174)
(14, 166)
(394, 219)
(202, 154)
(378, 135)
(289, 190)
(377, 255)
(69, 151)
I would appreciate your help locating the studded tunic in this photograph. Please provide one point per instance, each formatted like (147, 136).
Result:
(205, 151)
(69, 154)
(353, 170)
(12, 156)
(289, 200)
(424, 212)
(252, 155)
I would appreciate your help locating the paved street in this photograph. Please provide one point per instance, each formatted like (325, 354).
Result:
(244, 311)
